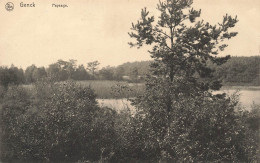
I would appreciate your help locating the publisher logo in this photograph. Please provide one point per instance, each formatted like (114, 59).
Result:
(9, 6)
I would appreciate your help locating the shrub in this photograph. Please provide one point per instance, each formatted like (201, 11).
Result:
(63, 123)
(55, 122)
(201, 128)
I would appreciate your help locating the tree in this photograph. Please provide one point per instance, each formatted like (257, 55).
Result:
(92, 67)
(181, 48)
(39, 73)
(119, 73)
(29, 73)
(134, 74)
(181, 45)
(68, 67)
(11, 75)
(53, 71)
(62, 70)
(177, 94)
(80, 73)
(107, 73)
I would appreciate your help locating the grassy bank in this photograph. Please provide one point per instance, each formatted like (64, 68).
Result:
(107, 89)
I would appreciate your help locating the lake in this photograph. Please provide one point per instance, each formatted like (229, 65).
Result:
(248, 96)
(116, 104)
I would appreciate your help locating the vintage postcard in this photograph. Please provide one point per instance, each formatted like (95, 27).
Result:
(129, 81)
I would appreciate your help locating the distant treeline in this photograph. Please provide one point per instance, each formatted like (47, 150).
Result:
(237, 71)
(67, 70)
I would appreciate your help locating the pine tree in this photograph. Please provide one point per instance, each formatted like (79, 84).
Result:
(182, 45)
(178, 94)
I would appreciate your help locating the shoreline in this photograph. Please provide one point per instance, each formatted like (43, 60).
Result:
(252, 88)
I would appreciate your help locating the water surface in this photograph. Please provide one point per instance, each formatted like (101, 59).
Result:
(246, 97)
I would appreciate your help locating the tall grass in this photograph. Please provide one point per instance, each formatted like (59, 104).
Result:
(107, 89)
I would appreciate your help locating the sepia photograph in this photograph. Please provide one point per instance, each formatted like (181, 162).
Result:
(129, 81)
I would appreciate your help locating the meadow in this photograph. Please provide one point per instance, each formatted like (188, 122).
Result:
(108, 89)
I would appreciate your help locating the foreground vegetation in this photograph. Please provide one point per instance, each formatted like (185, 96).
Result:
(54, 123)
(62, 122)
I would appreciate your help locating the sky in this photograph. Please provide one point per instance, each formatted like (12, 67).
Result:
(89, 30)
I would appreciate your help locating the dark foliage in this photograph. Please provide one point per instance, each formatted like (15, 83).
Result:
(240, 71)
(11, 75)
(201, 128)
(178, 118)
(235, 72)
(56, 123)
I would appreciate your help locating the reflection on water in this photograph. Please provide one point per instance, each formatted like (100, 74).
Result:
(247, 97)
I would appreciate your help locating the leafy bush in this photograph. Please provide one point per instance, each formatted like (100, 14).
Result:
(201, 128)
(63, 123)
(55, 123)
(2, 92)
